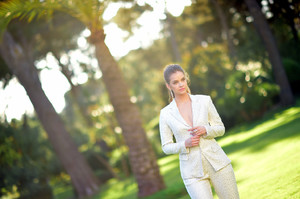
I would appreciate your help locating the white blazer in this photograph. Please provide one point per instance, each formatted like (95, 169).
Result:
(172, 123)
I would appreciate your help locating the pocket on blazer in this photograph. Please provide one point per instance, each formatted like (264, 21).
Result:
(215, 147)
(183, 156)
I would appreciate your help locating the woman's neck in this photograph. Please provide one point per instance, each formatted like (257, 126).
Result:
(182, 98)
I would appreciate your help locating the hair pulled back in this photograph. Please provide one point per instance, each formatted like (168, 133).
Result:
(168, 71)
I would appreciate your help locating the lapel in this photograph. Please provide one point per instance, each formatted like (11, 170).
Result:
(195, 111)
(176, 114)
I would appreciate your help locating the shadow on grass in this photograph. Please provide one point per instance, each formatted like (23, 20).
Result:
(125, 189)
(175, 188)
(269, 136)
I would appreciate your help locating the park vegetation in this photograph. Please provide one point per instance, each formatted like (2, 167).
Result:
(244, 54)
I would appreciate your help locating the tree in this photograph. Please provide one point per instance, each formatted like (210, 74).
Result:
(21, 164)
(170, 27)
(76, 91)
(261, 25)
(288, 11)
(82, 177)
(225, 27)
(142, 157)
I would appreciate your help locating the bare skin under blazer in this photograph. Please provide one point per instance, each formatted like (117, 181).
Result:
(204, 114)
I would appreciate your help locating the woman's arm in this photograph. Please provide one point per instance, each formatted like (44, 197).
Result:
(166, 135)
(216, 127)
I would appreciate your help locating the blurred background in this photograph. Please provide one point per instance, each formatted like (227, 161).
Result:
(82, 87)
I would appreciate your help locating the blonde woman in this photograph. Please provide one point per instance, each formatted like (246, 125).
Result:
(195, 122)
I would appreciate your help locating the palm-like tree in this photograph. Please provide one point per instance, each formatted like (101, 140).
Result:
(89, 12)
(82, 177)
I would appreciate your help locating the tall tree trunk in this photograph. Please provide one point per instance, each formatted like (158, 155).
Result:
(225, 27)
(174, 45)
(262, 26)
(141, 155)
(76, 91)
(106, 164)
(83, 179)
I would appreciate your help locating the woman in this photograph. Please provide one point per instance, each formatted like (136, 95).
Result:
(195, 122)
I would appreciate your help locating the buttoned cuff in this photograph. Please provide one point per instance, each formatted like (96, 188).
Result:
(208, 131)
(183, 148)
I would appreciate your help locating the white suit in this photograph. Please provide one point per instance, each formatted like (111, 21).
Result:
(191, 160)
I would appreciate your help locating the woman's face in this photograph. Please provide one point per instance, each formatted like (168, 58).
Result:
(178, 83)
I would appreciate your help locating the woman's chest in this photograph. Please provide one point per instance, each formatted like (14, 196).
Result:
(186, 113)
(178, 122)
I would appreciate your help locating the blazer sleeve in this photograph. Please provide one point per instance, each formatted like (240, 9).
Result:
(216, 127)
(166, 135)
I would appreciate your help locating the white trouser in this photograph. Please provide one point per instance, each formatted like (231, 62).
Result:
(223, 182)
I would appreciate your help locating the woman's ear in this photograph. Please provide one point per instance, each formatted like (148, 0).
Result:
(167, 85)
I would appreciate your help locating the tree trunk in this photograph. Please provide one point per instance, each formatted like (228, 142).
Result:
(83, 179)
(76, 91)
(289, 15)
(174, 45)
(225, 27)
(141, 155)
(261, 25)
(105, 163)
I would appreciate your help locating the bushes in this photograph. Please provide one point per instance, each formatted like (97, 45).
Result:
(25, 158)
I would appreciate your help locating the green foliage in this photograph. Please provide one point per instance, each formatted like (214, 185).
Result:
(248, 95)
(241, 94)
(198, 23)
(26, 161)
(207, 68)
(127, 16)
(292, 69)
(249, 47)
(29, 10)
(99, 140)
(88, 12)
(142, 69)
(144, 77)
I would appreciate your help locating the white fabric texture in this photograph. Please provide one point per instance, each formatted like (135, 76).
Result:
(223, 181)
(194, 160)
(204, 114)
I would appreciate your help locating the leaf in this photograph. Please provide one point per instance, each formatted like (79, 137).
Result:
(31, 16)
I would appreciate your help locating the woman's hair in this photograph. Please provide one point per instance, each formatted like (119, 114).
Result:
(168, 71)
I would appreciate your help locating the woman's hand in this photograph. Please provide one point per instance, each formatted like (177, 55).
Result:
(192, 141)
(198, 131)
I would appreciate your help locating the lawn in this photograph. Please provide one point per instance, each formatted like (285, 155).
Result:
(265, 155)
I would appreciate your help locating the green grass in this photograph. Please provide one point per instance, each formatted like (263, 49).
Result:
(265, 156)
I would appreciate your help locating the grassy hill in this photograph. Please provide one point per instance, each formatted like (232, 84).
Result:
(265, 155)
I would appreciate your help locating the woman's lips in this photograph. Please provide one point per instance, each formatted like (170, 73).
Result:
(181, 89)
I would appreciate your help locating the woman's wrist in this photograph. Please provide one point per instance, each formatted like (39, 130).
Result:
(186, 144)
